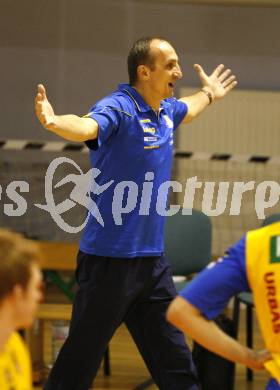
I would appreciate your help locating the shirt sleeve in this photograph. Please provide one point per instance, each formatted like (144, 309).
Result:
(180, 110)
(211, 290)
(108, 120)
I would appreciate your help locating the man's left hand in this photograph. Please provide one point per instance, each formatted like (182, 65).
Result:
(219, 83)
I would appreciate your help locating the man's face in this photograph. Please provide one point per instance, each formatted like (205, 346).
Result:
(26, 300)
(165, 71)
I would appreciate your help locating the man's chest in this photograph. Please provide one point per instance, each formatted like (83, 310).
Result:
(147, 132)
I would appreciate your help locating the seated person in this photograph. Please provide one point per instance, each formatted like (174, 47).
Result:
(252, 264)
(20, 292)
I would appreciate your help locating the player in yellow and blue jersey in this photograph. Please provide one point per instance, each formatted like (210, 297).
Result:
(20, 292)
(252, 264)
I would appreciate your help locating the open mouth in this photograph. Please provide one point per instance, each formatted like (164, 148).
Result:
(171, 85)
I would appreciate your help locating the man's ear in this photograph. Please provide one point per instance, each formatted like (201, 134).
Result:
(17, 293)
(143, 73)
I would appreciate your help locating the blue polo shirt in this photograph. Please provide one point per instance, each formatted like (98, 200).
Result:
(212, 288)
(134, 152)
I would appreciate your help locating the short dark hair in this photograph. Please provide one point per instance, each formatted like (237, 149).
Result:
(139, 54)
(17, 255)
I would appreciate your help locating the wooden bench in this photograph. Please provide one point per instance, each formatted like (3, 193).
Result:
(59, 256)
(54, 311)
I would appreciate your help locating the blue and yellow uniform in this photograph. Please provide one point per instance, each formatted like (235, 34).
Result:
(15, 366)
(252, 264)
(122, 273)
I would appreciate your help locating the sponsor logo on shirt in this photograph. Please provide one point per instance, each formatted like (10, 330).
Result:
(168, 121)
(151, 130)
(150, 139)
(171, 138)
(275, 249)
(145, 120)
(151, 147)
(273, 304)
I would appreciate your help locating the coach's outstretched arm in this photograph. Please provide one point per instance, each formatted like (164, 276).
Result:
(214, 87)
(70, 127)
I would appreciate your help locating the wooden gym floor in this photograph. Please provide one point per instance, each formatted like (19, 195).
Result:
(128, 369)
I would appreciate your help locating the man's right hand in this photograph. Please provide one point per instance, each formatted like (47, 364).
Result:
(258, 358)
(43, 108)
(70, 127)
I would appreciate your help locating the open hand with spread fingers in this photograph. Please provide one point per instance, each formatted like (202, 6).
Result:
(43, 108)
(219, 83)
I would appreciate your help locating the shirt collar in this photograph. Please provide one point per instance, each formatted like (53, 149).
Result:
(138, 100)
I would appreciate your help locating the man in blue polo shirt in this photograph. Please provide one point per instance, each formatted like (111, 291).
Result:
(122, 273)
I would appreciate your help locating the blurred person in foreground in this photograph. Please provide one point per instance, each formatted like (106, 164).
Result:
(20, 293)
(252, 264)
